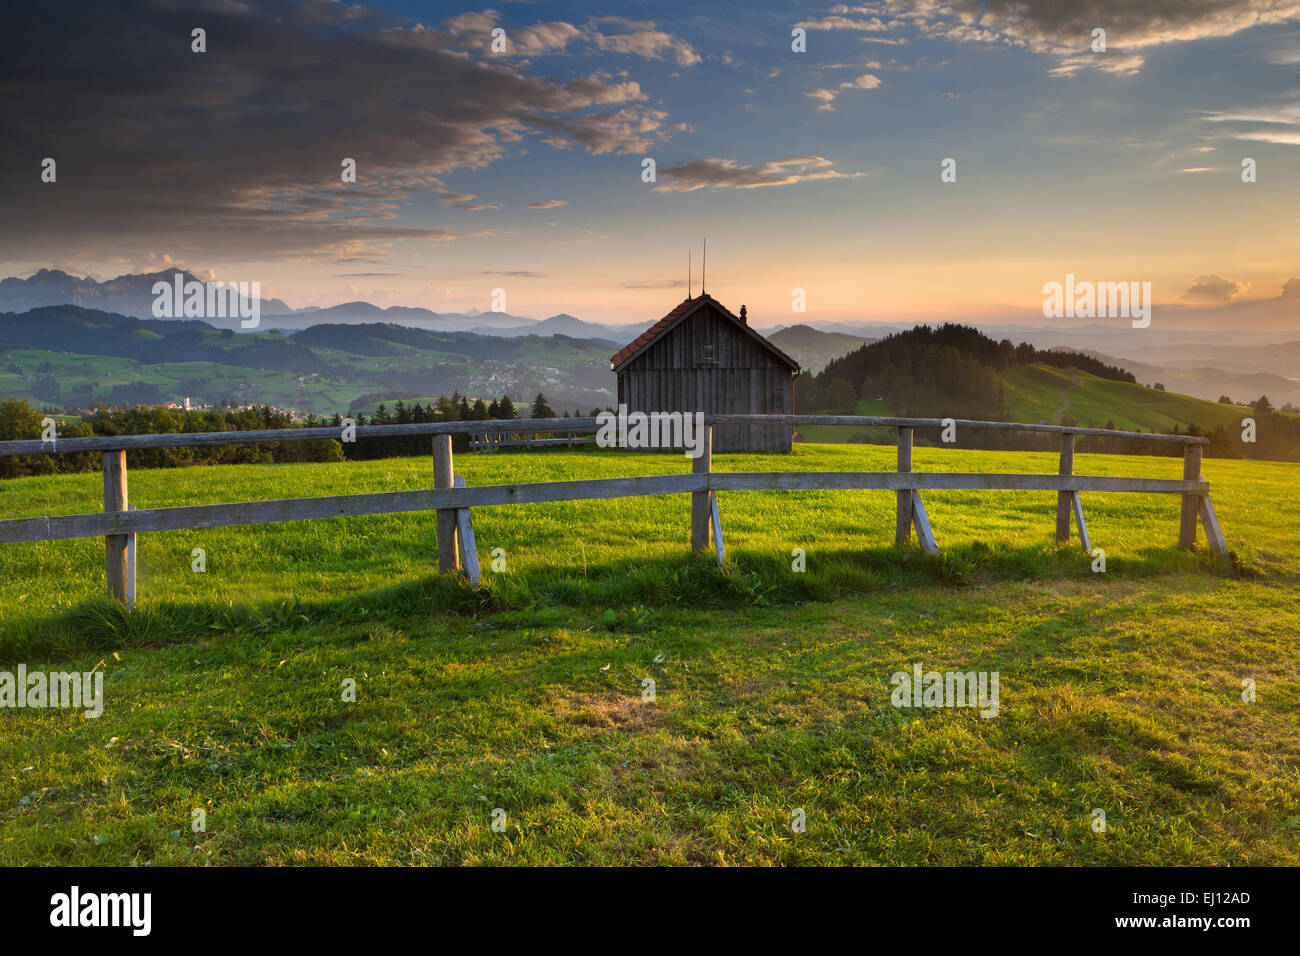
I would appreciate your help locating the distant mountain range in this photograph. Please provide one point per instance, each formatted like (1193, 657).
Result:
(813, 348)
(1258, 354)
(1211, 383)
(132, 295)
(126, 295)
(483, 323)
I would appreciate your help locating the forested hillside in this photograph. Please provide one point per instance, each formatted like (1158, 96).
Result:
(945, 371)
(954, 371)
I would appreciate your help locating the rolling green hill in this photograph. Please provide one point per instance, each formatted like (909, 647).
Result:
(66, 356)
(1034, 394)
(1040, 393)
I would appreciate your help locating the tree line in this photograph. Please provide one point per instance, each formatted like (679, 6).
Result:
(20, 421)
(1276, 436)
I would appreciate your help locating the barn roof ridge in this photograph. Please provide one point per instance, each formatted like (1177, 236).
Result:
(684, 309)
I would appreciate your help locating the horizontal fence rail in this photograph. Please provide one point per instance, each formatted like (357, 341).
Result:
(452, 500)
(479, 441)
(68, 446)
(479, 496)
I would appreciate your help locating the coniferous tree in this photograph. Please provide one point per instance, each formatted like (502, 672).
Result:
(447, 410)
(540, 408)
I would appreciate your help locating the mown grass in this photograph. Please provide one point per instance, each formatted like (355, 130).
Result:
(1119, 691)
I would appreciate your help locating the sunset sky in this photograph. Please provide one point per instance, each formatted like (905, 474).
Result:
(522, 170)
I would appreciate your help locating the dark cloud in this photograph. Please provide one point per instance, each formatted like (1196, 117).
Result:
(236, 153)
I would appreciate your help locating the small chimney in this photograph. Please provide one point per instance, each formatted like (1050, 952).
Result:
(744, 316)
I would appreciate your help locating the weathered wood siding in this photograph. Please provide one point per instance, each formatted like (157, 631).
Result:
(707, 364)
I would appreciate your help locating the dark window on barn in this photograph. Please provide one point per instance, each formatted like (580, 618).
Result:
(708, 355)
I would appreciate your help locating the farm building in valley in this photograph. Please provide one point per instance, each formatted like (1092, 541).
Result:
(702, 358)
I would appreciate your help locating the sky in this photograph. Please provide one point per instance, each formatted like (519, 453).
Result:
(522, 170)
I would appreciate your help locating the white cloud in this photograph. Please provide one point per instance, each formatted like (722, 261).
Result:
(826, 98)
(731, 174)
(1273, 124)
(649, 44)
(1064, 29)
(1214, 288)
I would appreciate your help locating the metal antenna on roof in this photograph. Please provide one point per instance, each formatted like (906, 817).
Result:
(688, 273)
(705, 266)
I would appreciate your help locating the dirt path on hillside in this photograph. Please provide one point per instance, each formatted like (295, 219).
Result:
(1056, 419)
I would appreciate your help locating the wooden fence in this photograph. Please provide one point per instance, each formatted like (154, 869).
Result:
(498, 440)
(120, 522)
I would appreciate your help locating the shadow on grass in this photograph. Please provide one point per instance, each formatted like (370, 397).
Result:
(622, 591)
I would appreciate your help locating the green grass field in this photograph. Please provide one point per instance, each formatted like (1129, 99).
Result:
(1119, 690)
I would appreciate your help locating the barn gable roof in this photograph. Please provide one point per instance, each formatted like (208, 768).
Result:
(683, 311)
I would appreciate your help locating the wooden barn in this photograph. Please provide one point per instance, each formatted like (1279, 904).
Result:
(702, 358)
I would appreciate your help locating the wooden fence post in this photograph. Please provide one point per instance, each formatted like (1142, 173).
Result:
(1064, 499)
(1081, 524)
(465, 535)
(1191, 503)
(117, 564)
(719, 548)
(442, 478)
(903, 524)
(130, 565)
(1213, 534)
(924, 534)
(700, 510)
